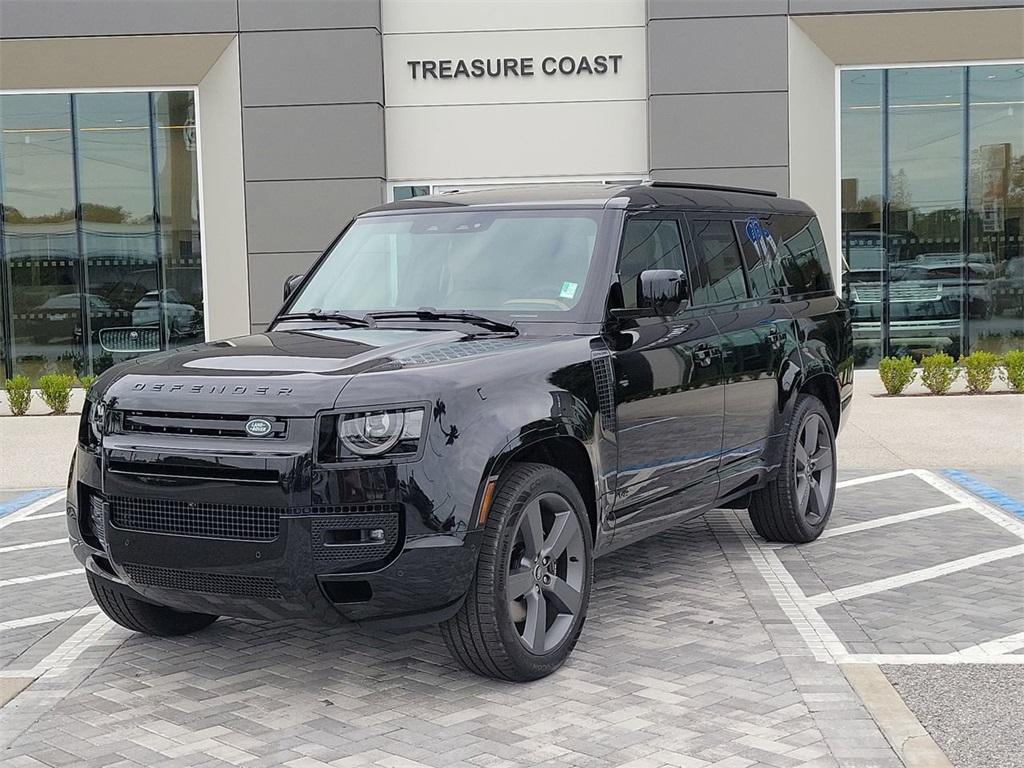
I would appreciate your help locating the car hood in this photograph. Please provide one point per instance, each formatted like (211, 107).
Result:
(285, 372)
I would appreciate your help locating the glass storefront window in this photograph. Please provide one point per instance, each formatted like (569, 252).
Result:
(930, 251)
(42, 306)
(995, 252)
(100, 259)
(863, 196)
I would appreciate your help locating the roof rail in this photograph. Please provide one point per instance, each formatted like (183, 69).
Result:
(713, 187)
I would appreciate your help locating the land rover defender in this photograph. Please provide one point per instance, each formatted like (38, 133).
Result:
(464, 401)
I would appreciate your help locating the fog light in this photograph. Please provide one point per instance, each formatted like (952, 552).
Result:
(376, 534)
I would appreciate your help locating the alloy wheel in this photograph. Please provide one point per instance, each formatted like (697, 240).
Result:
(814, 468)
(546, 573)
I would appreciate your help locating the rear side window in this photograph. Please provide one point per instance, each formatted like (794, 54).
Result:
(760, 257)
(784, 254)
(719, 267)
(647, 244)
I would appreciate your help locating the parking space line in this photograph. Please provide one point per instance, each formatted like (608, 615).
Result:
(819, 637)
(874, 478)
(33, 545)
(913, 577)
(928, 658)
(23, 512)
(983, 508)
(987, 492)
(812, 628)
(60, 659)
(43, 516)
(999, 646)
(891, 520)
(22, 501)
(38, 577)
(46, 618)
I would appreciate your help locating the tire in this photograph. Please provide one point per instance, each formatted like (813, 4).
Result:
(140, 616)
(498, 634)
(795, 506)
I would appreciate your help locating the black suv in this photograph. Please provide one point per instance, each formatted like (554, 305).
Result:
(467, 399)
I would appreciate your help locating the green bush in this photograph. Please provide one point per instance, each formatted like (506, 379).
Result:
(1013, 369)
(938, 372)
(86, 381)
(19, 394)
(896, 373)
(55, 389)
(980, 369)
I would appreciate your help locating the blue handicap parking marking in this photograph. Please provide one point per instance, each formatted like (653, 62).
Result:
(987, 492)
(22, 501)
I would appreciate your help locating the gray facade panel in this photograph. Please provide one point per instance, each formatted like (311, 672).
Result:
(688, 9)
(311, 67)
(321, 142)
(267, 272)
(78, 18)
(718, 55)
(731, 130)
(290, 216)
(256, 15)
(856, 6)
(775, 179)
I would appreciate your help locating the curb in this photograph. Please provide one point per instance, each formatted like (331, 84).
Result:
(901, 728)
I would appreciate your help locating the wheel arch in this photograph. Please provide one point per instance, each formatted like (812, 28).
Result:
(565, 452)
(825, 387)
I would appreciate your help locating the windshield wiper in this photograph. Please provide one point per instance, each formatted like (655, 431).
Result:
(334, 317)
(431, 314)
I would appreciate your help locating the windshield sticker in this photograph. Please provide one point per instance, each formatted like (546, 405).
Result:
(568, 290)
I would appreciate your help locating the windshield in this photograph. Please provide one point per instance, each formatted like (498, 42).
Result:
(520, 262)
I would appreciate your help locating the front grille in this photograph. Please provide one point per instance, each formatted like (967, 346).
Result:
(907, 292)
(231, 521)
(200, 425)
(143, 339)
(187, 518)
(210, 583)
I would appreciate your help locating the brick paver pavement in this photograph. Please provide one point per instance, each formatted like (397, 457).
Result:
(690, 657)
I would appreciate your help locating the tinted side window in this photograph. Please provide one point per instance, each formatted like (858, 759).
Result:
(647, 244)
(719, 268)
(802, 254)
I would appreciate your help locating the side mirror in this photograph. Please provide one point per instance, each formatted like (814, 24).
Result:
(290, 284)
(661, 291)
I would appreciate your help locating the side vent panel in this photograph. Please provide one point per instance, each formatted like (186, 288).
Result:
(604, 382)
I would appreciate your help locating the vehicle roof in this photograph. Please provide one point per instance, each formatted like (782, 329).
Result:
(657, 194)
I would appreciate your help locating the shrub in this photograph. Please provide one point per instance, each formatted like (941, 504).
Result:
(19, 394)
(938, 372)
(86, 381)
(896, 373)
(55, 389)
(980, 369)
(1013, 369)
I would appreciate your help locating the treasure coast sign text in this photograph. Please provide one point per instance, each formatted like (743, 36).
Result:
(522, 66)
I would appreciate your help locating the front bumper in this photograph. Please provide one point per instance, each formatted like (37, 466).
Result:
(361, 545)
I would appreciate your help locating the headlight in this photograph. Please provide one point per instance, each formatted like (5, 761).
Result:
(390, 433)
(97, 417)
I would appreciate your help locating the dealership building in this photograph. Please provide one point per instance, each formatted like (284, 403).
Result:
(165, 164)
